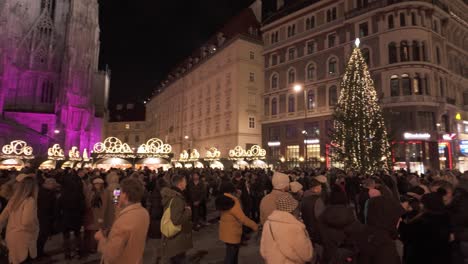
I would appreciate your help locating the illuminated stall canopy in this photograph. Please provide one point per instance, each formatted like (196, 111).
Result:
(190, 160)
(73, 159)
(54, 154)
(74, 154)
(112, 153)
(154, 148)
(14, 154)
(255, 154)
(154, 154)
(112, 147)
(213, 155)
(87, 161)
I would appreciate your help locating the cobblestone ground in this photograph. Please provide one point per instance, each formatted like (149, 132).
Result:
(207, 248)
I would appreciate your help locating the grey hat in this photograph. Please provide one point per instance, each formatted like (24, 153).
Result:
(286, 203)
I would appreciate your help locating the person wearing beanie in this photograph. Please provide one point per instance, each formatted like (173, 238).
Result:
(284, 238)
(427, 235)
(337, 226)
(312, 206)
(280, 183)
(296, 190)
(99, 213)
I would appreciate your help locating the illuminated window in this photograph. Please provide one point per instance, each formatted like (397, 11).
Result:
(292, 152)
(313, 151)
(127, 126)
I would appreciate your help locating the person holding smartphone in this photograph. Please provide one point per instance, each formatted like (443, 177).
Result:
(127, 238)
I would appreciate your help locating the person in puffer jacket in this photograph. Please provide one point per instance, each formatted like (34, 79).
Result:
(284, 238)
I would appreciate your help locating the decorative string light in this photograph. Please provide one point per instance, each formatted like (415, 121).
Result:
(359, 139)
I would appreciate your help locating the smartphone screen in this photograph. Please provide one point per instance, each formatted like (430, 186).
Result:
(116, 195)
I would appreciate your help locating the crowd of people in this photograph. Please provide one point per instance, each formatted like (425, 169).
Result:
(302, 215)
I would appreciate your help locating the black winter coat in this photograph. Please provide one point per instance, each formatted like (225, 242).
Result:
(337, 224)
(310, 217)
(377, 242)
(427, 239)
(156, 212)
(458, 211)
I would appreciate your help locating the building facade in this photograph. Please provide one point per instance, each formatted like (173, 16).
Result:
(417, 55)
(213, 99)
(127, 123)
(49, 77)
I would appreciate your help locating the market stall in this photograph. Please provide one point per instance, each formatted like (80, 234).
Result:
(154, 154)
(54, 154)
(112, 153)
(190, 160)
(15, 155)
(251, 158)
(213, 156)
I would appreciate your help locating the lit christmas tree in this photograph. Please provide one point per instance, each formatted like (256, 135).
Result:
(359, 139)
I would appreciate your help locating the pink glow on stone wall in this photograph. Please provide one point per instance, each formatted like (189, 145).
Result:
(34, 121)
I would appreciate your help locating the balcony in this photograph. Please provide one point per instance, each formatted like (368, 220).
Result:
(383, 3)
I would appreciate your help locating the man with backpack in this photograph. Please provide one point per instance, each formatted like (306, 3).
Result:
(177, 233)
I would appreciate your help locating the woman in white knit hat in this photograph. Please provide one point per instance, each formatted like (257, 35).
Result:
(284, 238)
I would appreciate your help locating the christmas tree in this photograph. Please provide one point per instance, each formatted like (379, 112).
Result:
(359, 139)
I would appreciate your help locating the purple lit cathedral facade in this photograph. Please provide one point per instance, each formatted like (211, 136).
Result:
(50, 84)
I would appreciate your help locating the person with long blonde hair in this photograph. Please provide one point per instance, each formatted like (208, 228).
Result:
(20, 218)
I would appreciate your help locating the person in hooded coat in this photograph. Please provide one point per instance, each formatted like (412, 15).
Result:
(284, 238)
(376, 242)
(428, 233)
(231, 222)
(175, 248)
(337, 225)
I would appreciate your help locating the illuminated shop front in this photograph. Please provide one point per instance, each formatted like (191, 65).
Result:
(416, 153)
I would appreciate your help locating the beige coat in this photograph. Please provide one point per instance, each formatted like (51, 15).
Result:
(126, 241)
(231, 221)
(268, 205)
(21, 231)
(106, 212)
(285, 240)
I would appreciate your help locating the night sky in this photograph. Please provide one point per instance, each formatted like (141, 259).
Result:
(142, 40)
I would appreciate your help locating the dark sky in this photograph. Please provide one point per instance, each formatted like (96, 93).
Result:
(142, 40)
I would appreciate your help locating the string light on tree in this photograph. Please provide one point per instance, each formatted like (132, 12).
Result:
(359, 138)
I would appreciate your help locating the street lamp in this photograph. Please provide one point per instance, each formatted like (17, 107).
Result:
(298, 88)
(186, 137)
